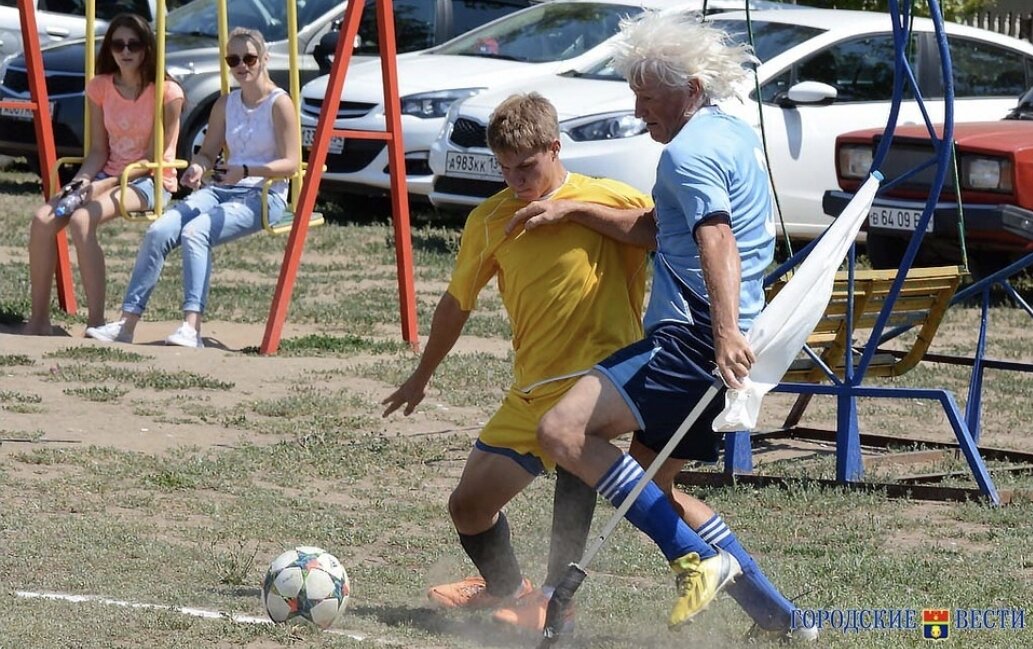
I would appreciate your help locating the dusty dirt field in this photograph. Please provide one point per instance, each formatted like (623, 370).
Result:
(68, 420)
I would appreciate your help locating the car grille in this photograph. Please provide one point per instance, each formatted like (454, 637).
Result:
(17, 81)
(906, 155)
(467, 186)
(345, 110)
(468, 133)
(357, 155)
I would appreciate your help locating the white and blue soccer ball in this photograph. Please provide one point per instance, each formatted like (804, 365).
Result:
(306, 583)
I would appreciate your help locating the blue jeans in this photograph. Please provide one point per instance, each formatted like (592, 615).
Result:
(207, 218)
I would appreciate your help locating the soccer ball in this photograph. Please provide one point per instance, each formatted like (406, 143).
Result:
(307, 583)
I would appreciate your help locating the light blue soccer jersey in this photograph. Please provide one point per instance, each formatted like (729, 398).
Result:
(714, 165)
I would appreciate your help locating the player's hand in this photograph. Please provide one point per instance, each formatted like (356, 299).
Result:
(734, 359)
(410, 394)
(537, 213)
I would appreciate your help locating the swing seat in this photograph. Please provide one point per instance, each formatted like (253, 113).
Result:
(132, 216)
(144, 215)
(923, 300)
(285, 224)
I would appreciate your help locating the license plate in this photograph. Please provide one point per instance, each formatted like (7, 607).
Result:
(472, 165)
(23, 114)
(308, 136)
(894, 218)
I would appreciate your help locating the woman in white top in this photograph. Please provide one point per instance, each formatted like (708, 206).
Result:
(259, 127)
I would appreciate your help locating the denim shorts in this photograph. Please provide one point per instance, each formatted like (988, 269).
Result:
(144, 187)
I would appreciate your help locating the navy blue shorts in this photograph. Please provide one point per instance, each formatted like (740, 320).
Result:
(662, 378)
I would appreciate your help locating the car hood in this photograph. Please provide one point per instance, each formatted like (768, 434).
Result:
(1002, 135)
(429, 72)
(70, 57)
(573, 97)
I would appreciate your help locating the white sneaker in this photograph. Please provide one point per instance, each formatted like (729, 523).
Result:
(112, 332)
(185, 336)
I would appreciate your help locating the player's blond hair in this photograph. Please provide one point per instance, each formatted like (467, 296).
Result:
(676, 50)
(523, 123)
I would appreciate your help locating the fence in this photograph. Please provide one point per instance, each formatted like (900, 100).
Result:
(1010, 23)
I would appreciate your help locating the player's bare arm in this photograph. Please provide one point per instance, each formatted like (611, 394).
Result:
(719, 258)
(634, 226)
(445, 328)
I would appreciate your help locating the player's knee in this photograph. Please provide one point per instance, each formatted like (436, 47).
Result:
(555, 431)
(466, 512)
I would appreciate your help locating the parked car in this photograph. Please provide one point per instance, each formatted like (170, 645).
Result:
(192, 57)
(995, 172)
(419, 24)
(523, 48)
(822, 72)
(58, 20)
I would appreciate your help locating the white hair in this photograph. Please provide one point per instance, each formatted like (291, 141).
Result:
(675, 50)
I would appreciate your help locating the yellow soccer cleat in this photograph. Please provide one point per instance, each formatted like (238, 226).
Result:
(698, 583)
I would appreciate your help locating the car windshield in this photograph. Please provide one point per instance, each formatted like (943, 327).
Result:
(267, 16)
(769, 40)
(553, 31)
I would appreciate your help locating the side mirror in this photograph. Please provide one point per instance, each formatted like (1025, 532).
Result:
(324, 51)
(808, 93)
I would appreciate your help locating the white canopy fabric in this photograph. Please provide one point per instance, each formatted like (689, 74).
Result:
(781, 330)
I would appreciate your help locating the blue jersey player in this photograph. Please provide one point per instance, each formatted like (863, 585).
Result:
(714, 236)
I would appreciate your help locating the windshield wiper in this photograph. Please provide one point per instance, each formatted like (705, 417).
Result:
(194, 32)
(489, 55)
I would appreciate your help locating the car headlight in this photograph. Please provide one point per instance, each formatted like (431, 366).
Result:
(610, 126)
(986, 174)
(432, 105)
(855, 160)
(3, 66)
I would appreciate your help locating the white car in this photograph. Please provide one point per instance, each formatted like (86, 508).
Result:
(822, 73)
(58, 20)
(523, 48)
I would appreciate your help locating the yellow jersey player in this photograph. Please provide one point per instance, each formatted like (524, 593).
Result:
(573, 296)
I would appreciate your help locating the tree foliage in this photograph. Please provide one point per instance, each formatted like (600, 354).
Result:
(952, 9)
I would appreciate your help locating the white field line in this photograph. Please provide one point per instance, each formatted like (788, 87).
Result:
(184, 610)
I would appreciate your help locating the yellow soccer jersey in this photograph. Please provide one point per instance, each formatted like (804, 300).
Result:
(573, 296)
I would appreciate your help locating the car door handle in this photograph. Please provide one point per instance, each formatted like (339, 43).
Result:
(58, 32)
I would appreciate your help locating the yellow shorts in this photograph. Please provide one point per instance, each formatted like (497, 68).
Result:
(512, 430)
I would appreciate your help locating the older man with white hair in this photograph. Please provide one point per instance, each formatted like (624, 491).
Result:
(714, 237)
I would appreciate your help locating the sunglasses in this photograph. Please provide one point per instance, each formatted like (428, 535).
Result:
(249, 60)
(134, 46)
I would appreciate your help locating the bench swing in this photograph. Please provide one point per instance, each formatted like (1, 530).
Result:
(837, 363)
(296, 180)
(158, 166)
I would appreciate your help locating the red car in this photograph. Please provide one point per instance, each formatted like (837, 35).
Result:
(995, 170)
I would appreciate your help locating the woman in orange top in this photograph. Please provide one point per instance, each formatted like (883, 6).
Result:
(121, 98)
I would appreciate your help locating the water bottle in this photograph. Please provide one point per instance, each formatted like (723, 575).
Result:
(72, 196)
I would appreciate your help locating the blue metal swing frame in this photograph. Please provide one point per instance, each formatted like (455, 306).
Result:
(849, 464)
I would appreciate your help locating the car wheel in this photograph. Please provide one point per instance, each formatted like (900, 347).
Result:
(191, 139)
(983, 263)
(885, 252)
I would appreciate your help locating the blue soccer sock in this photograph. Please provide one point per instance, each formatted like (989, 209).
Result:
(753, 592)
(652, 512)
